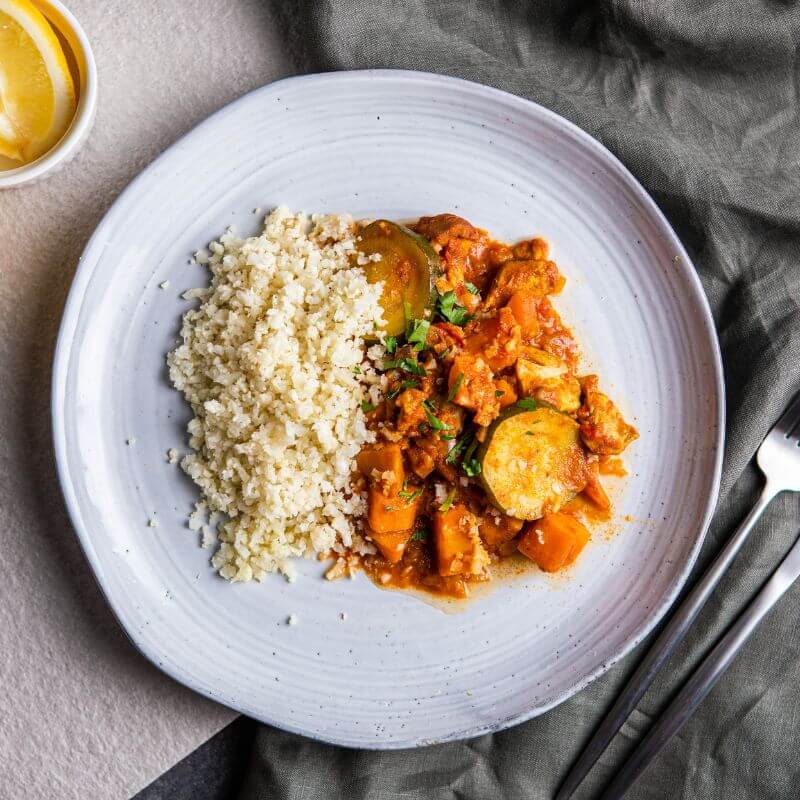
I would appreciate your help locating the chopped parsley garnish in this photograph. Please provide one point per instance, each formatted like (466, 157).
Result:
(455, 387)
(450, 309)
(407, 384)
(528, 403)
(357, 369)
(419, 536)
(409, 497)
(458, 448)
(472, 467)
(407, 365)
(366, 406)
(417, 333)
(445, 352)
(434, 421)
(471, 288)
(499, 393)
(470, 450)
(390, 343)
(448, 501)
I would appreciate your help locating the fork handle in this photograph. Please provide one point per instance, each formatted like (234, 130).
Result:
(662, 649)
(705, 676)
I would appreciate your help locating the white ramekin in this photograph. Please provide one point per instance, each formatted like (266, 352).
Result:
(69, 144)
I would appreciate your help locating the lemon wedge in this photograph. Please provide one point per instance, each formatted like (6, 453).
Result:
(37, 95)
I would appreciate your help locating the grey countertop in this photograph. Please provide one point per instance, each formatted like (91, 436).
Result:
(83, 714)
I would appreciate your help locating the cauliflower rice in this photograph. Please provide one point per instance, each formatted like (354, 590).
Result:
(273, 365)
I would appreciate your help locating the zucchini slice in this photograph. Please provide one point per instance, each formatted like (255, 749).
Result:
(408, 267)
(532, 461)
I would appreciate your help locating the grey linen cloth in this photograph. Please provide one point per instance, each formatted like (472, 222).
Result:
(700, 101)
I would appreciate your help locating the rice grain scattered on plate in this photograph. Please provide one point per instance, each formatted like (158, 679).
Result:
(267, 363)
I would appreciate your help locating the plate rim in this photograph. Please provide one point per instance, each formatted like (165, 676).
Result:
(88, 262)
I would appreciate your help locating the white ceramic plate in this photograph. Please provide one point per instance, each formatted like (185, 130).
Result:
(397, 672)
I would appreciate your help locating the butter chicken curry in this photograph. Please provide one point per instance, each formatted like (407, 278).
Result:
(489, 441)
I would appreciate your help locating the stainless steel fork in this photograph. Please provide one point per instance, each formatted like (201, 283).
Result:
(779, 460)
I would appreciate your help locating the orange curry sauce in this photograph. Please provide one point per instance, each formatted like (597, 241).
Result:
(494, 341)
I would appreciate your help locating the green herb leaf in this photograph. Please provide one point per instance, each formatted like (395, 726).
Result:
(448, 501)
(357, 369)
(450, 309)
(407, 384)
(455, 387)
(407, 365)
(390, 343)
(434, 421)
(471, 288)
(470, 450)
(472, 467)
(417, 333)
(366, 406)
(458, 448)
(499, 393)
(409, 497)
(445, 352)
(528, 403)
(419, 536)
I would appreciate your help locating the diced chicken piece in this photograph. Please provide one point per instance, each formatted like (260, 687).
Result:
(392, 545)
(459, 550)
(603, 429)
(553, 336)
(466, 298)
(538, 277)
(536, 249)
(496, 339)
(442, 228)
(547, 378)
(475, 388)
(505, 393)
(382, 464)
(412, 412)
(445, 339)
(498, 253)
(387, 512)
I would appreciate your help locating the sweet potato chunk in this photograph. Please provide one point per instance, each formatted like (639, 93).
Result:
(389, 513)
(475, 389)
(524, 305)
(459, 550)
(392, 545)
(554, 541)
(496, 339)
(540, 278)
(382, 463)
(603, 429)
(594, 490)
(496, 531)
